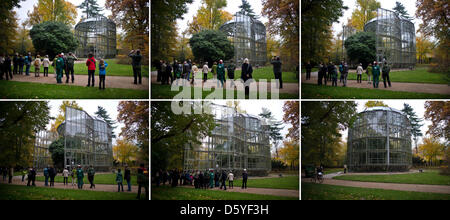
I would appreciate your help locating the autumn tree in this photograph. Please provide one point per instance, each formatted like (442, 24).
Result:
(284, 20)
(61, 117)
(209, 17)
(8, 24)
(317, 20)
(171, 133)
(436, 23)
(291, 116)
(438, 113)
(135, 116)
(432, 150)
(415, 122)
(400, 9)
(90, 8)
(19, 123)
(365, 11)
(125, 152)
(273, 46)
(52, 10)
(23, 43)
(424, 49)
(289, 154)
(164, 15)
(132, 17)
(370, 104)
(322, 123)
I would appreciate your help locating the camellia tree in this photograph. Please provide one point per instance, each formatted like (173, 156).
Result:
(51, 38)
(211, 45)
(361, 47)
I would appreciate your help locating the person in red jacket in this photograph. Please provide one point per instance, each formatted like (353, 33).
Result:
(90, 63)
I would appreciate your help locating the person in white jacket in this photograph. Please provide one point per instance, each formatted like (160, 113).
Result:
(194, 72)
(66, 176)
(37, 65)
(359, 71)
(46, 63)
(230, 180)
(205, 70)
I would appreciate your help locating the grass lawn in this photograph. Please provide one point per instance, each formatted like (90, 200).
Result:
(312, 191)
(315, 69)
(333, 170)
(260, 73)
(419, 75)
(164, 92)
(313, 91)
(109, 179)
(28, 90)
(16, 192)
(431, 177)
(113, 69)
(287, 182)
(182, 193)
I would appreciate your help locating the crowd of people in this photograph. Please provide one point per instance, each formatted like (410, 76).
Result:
(77, 174)
(62, 64)
(167, 72)
(330, 73)
(199, 179)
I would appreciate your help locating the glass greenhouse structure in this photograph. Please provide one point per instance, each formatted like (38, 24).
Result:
(395, 38)
(379, 140)
(41, 155)
(239, 141)
(248, 36)
(96, 35)
(87, 141)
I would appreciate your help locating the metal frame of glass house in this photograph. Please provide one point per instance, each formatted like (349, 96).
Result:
(379, 140)
(96, 35)
(41, 155)
(87, 141)
(395, 38)
(239, 141)
(248, 35)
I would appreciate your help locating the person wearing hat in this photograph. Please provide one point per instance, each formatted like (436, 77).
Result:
(70, 64)
(376, 74)
(369, 73)
(37, 66)
(244, 179)
(46, 63)
(80, 176)
(230, 180)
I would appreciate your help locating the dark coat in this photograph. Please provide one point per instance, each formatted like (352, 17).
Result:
(276, 66)
(246, 70)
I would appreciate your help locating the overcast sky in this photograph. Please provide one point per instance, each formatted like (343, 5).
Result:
(410, 7)
(90, 106)
(27, 5)
(232, 7)
(417, 105)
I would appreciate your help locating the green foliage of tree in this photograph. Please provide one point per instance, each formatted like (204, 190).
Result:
(19, 122)
(400, 9)
(360, 47)
(275, 128)
(102, 113)
(277, 164)
(90, 8)
(51, 38)
(246, 9)
(56, 150)
(414, 120)
(171, 132)
(320, 132)
(317, 19)
(163, 17)
(211, 45)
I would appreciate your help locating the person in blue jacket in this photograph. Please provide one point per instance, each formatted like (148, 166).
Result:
(102, 73)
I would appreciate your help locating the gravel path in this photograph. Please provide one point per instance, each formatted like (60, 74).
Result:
(261, 191)
(291, 88)
(124, 82)
(396, 86)
(17, 180)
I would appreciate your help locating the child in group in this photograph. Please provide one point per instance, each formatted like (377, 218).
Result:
(102, 73)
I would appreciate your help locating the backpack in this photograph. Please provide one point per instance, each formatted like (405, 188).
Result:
(36, 62)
